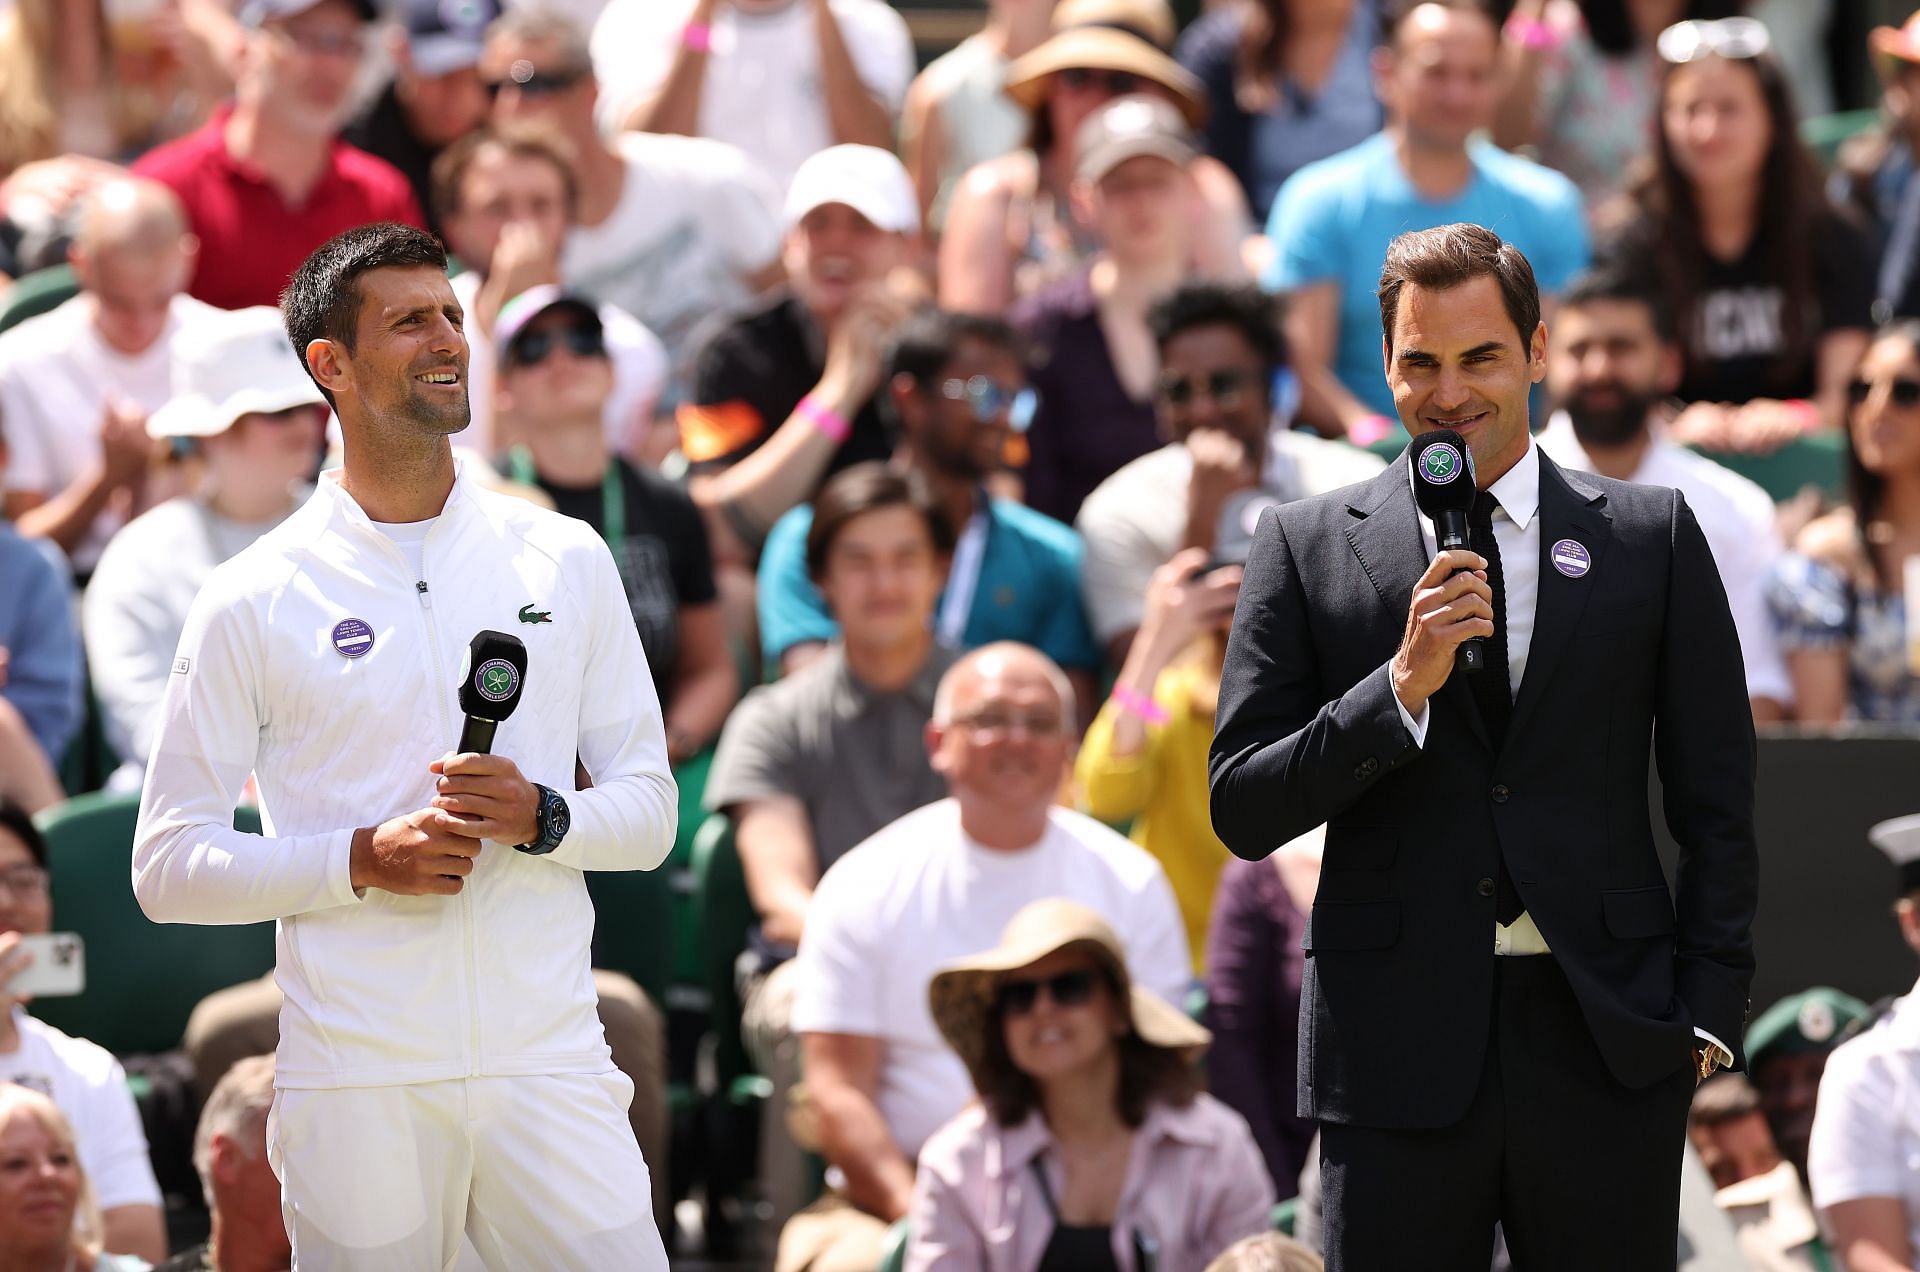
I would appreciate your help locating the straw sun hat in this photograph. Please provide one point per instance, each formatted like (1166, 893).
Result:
(962, 993)
(1107, 35)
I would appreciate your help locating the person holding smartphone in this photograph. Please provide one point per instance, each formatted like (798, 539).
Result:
(83, 1080)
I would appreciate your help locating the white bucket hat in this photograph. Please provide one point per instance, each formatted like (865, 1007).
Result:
(229, 365)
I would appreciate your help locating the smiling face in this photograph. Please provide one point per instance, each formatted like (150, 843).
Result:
(1608, 368)
(1885, 434)
(881, 576)
(1457, 361)
(832, 251)
(25, 905)
(1440, 80)
(39, 1182)
(407, 369)
(1008, 737)
(570, 381)
(948, 432)
(303, 67)
(1053, 1041)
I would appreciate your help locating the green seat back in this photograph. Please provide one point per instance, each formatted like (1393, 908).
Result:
(726, 913)
(143, 978)
(34, 294)
(1825, 134)
(893, 1255)
(633, 926)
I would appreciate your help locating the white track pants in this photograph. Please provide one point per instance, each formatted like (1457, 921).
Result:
(538, 1172)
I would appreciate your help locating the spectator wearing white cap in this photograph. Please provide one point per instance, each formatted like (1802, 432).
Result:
(1866, 1123)
(670, 229)
(436, 95)
(785, 393)
(781, 79)
(255, 423)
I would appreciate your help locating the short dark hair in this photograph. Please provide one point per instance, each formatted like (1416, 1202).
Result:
(1242, 306)
(18, 822)
(1148, 1074)
(322, 301)
(925, 343)
(1611, 284)
(863, 488)
(1448, 255)
(520, 138)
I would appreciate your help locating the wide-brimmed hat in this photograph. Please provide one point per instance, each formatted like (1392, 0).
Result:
(962, 993)
(1902, 42)
(228, 365)
(1103, 45)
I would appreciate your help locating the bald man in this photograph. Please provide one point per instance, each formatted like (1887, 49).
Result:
(77, 383)
(936, 885)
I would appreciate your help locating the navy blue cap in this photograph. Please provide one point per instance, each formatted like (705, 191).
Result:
(444, 36)
(255, 12)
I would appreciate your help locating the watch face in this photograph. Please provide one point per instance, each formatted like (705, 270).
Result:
(559, 818)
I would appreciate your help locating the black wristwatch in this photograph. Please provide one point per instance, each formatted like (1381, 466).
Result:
(552, 819)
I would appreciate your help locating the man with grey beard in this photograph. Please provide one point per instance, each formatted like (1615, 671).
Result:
(1613, 362)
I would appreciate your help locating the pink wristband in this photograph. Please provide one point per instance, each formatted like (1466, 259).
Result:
(1139, 704)
(697, 36)
(1531, 33)
(824, 418)
(1368, 429)
(1806, 412)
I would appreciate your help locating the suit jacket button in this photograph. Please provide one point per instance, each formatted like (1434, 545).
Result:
(1486, 887)
(1366, 769)
(1500, 794)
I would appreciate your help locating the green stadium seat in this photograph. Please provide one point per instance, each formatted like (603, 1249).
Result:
(1285, 1215)
(143, 978)
(633, 926)
(1825, 134)
(726, 914)
(34, 294)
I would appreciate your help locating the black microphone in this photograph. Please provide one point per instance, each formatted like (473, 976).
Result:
(1443, 487)
(490, 683)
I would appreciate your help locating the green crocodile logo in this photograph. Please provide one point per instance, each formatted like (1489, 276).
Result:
(528, 614)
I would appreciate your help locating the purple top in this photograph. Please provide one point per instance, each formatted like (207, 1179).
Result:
(1085, 427)
(1254, 965)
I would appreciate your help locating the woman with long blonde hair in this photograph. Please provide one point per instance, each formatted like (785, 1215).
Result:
(48, 1219)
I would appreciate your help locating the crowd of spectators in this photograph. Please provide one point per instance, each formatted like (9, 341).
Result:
(927, 412)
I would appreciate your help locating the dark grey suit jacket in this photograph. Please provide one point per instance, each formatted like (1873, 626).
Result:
(1638, 656)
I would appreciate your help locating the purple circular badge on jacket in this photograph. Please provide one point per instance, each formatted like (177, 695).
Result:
(1571, 559)
(352, 637)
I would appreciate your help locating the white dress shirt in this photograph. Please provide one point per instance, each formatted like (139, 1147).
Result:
(1516, 532)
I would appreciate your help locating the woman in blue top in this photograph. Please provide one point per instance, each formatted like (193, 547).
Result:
(1288, 82)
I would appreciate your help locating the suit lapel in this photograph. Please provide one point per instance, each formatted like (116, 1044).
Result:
(1570, 508)
(1384, 529)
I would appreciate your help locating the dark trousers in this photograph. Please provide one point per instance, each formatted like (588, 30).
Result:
(1581, 1172)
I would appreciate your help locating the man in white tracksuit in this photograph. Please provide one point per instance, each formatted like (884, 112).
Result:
(441, 1068)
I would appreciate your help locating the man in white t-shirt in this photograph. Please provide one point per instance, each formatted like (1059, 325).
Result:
(935, 885)
(505, 197)
(84, 1080)
(1613, 359)
(781, 79)
(670, 229)
(76, 384)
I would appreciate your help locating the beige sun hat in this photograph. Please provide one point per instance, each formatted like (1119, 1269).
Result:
(1108, 35)
(962, 993)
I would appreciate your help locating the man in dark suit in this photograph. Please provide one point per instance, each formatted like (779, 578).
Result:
(1502, 1017)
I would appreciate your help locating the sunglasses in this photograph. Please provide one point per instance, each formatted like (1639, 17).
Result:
(988, 398)
(1901, 391)
(1068, 989)
(1224, 387)
(1119, 83)
(531, 83)
(535, 347)
(1736, 38)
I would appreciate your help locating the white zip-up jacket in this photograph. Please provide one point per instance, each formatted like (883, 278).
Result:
(384, 989)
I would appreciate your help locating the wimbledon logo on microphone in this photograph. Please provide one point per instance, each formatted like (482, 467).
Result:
(1441, 463)
(496, 680)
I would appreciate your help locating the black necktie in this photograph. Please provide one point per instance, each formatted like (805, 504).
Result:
(1492, 691)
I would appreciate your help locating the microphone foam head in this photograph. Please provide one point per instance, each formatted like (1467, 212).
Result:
(494, 674)
(1443, 478)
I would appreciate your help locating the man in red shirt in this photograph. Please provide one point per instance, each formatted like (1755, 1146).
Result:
(268, 179)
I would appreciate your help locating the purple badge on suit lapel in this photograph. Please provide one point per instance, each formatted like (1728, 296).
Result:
(1571, 558)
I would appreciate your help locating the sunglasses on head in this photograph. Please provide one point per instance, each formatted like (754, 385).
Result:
(1224, 387)
(988, 398)
(532, 83)
(1119, 83)
(536, 347)
(1736, 38)
(1067, 989)
(1902, 391)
